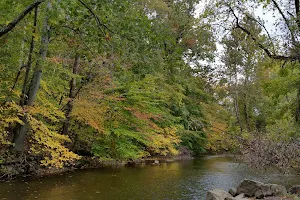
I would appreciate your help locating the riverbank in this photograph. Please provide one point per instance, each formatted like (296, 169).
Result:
(31, 167)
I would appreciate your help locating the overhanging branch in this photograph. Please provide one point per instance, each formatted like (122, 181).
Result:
(266, 50)
(13, 23)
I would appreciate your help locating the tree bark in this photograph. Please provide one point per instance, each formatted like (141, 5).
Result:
(36, 79)
(246, 113)
(21, 130)
(297, 113)
(29, 62)
(34, 85)
(297, 8)
(72, 94)
(236, 103)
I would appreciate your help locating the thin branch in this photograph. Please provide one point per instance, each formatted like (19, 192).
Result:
(96, 17)
(77, 32)
(267, 51)
(98, 21)
(264, 27)
(13, 23)
(285, 20)
(17, 77)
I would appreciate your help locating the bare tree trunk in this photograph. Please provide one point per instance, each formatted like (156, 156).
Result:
(297, 113)
(246, 114)
(34, 85)
(297, 8)
(236, 103)
(36, 79)
(19, 136)
(72, 94)
(29, 62)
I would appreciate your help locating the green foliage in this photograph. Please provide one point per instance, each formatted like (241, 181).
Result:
(134, 94)
(194, 141)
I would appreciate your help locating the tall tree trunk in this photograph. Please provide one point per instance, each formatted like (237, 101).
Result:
(246, 114)
(34, 84)
(236, 101)
(297, 8)
(36, 79)
(72, 93)
(297, 113)
(29, 62)
(21, 129)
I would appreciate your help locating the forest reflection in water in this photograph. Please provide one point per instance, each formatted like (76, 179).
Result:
(189, 179)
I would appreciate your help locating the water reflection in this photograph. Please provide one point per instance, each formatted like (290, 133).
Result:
(178, 180)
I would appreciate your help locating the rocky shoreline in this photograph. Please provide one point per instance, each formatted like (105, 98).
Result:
(249, 189)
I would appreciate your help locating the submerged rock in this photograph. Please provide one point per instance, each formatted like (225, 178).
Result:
(217, 194)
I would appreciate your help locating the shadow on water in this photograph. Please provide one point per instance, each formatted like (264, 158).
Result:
(188, 179)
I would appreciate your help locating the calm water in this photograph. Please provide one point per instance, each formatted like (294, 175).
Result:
(178, 180)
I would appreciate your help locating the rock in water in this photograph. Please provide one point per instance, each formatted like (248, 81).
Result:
(273, 190)
(249, 187)
(257, 189)
(233, 192)
(295, 190)
(277, 189)
(239, 197)
(259, 194)
(217, 194)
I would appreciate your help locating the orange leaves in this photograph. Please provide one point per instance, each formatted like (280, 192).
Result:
(90, 113)
(144, 116)
(190, 42)
(218, 133)
(107, 36)
(55, 60)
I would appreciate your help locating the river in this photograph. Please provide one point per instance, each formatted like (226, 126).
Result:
(188, 179)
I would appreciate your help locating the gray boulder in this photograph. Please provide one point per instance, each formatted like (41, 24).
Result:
(249, 187)
(239, 197)
(259, 194)
(259, 190)
(273, 190)
(233, 192)
(217, 194)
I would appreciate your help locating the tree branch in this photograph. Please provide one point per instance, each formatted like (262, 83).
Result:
(267, 51)
(262, 25)
(285, 20)
(98, 22)
(96, 17)
(13, 23)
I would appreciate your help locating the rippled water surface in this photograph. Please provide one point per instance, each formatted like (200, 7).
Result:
(178, 180)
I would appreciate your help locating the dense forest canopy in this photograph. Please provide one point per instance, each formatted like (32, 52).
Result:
(132, 79)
